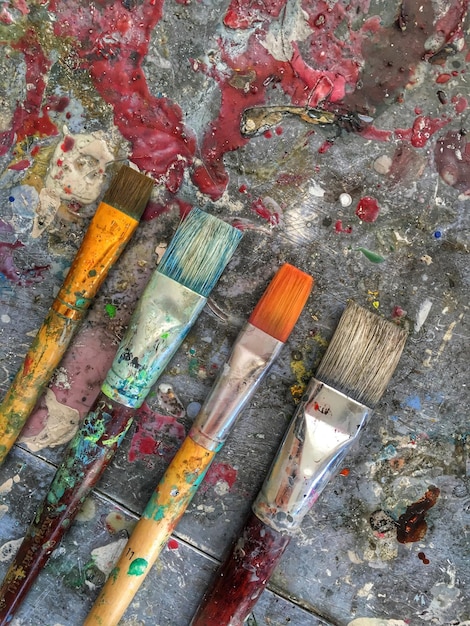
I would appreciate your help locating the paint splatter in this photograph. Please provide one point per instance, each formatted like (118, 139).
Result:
(156, 434)
(412, 526)
(106, 556)
(137, 567)
(110, 310)
(367, 209)
(452, 158)
(59, 425)
(220, 476)
(8, 266)
(9, 549)
(115, 522)
(373, 257)
(169, 401)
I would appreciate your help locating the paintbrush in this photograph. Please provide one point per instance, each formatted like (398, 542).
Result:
(255, 349)
(112, 226)
(352, 376)
(170, 304)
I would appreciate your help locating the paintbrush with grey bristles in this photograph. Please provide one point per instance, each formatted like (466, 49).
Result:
(352, 377)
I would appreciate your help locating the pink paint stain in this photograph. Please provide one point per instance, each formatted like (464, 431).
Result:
(156, 434)
(367, 209)
(219, 472)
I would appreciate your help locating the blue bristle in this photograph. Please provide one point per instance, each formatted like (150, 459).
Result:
(199, 251)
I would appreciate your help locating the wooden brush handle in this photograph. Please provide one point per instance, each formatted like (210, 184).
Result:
(87, 456)
(242, 578)
(160, 517)
(106, 236)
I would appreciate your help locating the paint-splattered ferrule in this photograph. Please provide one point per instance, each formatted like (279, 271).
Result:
(252, 355)
(322, 431)
(163, 317)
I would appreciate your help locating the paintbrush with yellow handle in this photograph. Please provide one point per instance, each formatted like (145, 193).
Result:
(112, 226)
(254, 351)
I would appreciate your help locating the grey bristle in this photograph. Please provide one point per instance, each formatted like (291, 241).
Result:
(199, 251)
(129, 192)
(362, 355)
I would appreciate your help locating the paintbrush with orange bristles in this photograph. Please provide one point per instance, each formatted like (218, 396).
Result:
(254, 351)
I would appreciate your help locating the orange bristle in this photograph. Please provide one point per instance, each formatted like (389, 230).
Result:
(281, 304)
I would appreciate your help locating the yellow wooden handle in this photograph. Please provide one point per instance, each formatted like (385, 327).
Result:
(160, 517)
(108, 232)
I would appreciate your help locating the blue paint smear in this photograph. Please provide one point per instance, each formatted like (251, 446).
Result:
(413, 402)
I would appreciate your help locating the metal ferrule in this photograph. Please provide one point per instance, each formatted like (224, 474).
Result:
(164, 314)
(324, 428)
(252, 355)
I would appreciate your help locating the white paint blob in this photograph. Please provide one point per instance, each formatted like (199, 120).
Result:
(106, 557)
(61, 425)
(9, 549)
(77, 172)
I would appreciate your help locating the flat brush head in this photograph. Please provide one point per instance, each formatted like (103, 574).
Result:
(129, 192)
(362, 355)
(199, 251)
(281, 304)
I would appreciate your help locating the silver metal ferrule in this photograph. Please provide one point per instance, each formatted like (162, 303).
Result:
(163, 316)
(324, 428)
(252, 355)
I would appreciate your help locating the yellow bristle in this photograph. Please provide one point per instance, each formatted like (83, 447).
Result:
(281, 304)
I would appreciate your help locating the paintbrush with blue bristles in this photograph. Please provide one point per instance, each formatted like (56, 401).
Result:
(175, 295)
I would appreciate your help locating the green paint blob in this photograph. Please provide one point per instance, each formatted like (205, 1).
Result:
(373, 257)
(92, 273)
(137, 567)
(80, 302)
(110, 310)
(114, 573)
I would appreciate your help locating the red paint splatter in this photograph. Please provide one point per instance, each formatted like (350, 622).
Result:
(173, 544)
(67, 144)
(423, 128)
(244, 13)
(20, 165)
(156, 434)
(443, 78)
(345, 471)
(31, 117)
(326, 145)
(219, 472)
(367, 209)
(8, 267)
(339, 228)
(263, 211)
(398, 312)
(412, 526)
(452, 158)
(422, 557)
(113, 42)
(460, 103)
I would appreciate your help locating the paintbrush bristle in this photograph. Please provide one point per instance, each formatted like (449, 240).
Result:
(362, 355)
(281, 304)
(199, 251)
(129, 192)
